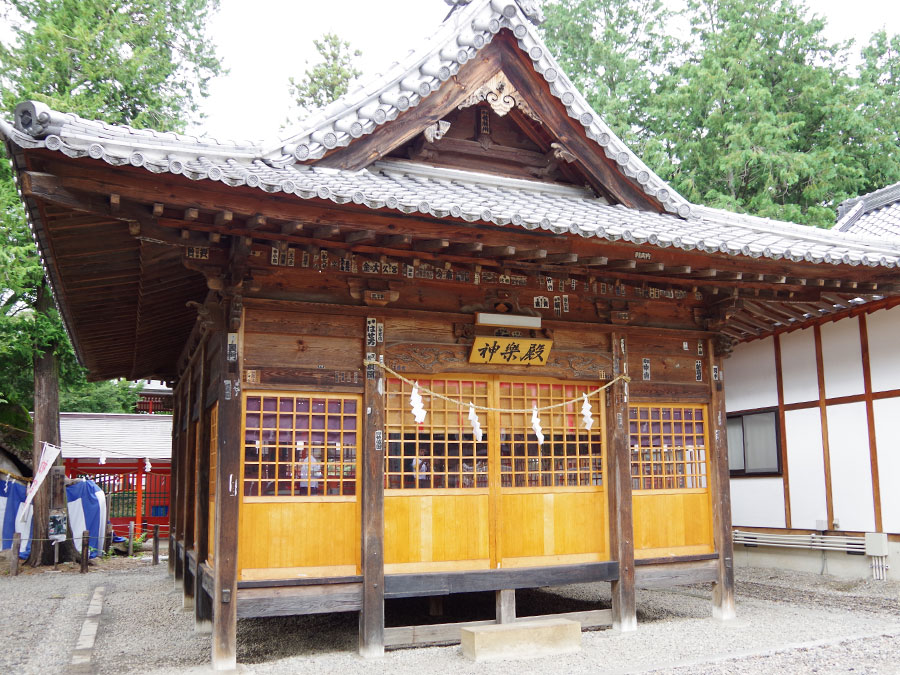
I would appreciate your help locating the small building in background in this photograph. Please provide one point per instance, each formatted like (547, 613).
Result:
(128, 456)
(155, 398)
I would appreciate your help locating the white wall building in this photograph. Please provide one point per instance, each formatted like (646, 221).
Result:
(813, 416)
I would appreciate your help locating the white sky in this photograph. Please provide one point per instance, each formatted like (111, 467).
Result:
(264, 42)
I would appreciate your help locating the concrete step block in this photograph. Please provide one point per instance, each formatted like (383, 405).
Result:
(521, 639)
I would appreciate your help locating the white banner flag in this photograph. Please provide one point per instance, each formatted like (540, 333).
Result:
(49, 453)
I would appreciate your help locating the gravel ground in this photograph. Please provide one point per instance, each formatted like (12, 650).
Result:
(787, 622)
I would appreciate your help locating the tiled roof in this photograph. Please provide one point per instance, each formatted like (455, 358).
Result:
(410, 188)
(119, 436)
(468, 29)
(876, 214)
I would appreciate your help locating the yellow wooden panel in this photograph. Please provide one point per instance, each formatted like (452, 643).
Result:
(672, 523)
(290, 534)
(255, 574)
(422, 528)
(560, 524)
(549, 560)
(440, 566)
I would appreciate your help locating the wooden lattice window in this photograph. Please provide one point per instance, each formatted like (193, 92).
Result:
(300, 444)
(569, 456)
(668, 446)
(442, 452)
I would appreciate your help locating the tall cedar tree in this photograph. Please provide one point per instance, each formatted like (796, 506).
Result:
(614, 50)
(759, 114)
(140, 62)
(328, 79)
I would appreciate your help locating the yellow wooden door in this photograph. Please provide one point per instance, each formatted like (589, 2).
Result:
(299, 512)
(453, 502)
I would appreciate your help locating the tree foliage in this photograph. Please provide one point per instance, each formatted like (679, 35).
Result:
(137, 62)
(758, 112)
(327, 79)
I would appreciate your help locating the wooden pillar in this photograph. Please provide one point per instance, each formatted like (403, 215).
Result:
(202, 604)
(371, 618)
(179, 464)
(194, 405)
(720, 489)
(618, 486)
(506, 606)
(225, 376)
(173, 473)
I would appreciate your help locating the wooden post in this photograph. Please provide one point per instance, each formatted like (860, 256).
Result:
(371, 618)
(139, 497)
(14, 557)
(173, 473)
(618, 485)
(506, 606)
(131, 539)
(226, 374)
(202, 602)
(85, 550)
(156, 544)
(108, 532)
(720, 490)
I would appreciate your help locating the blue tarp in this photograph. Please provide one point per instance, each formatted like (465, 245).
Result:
(12, 500)
(87, 511)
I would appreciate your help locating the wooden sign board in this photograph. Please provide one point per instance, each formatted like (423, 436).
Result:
(510, 351)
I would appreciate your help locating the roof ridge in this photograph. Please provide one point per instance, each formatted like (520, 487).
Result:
(871, 200)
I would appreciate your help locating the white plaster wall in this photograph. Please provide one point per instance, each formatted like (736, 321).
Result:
(750, 376)
(757, 502)
(851, 470)
(798, 366)
(887, 415)
(806, 467)
(883, 328)
(842, 358)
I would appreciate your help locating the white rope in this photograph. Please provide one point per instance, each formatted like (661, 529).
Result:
(465, 404)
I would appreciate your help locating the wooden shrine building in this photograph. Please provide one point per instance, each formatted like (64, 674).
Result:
(465, 225)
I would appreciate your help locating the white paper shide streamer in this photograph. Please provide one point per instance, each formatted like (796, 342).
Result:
(476, 424)
(587, 413)
(415, 400)
(103, 458)
(536, 425)
(148, 467)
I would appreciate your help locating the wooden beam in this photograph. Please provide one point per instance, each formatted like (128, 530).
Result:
(326, 232)
(466, 248)
(649, 268)
(622, 264)
(498, 251)
(396, 240)
(531, 254)
(569, 258)
(621, 520)
(114, 203)
(222, 218)
(704, 274)
(293, 227)
(595, 261)
(158, 209)
(359, 236)
(678, 269)
(255, 221)
(430, 244)
(191, 214)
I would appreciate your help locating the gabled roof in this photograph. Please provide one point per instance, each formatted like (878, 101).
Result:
(876, 214)
(290, 165)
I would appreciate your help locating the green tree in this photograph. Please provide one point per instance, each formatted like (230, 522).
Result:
(137, 62)
(614, 50)
(328, 79)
